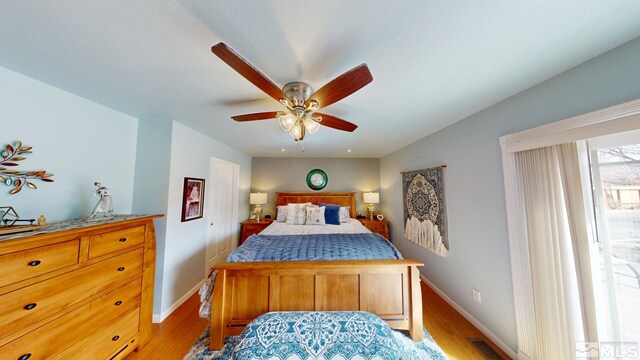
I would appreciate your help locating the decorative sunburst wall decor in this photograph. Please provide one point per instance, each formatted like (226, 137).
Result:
(11, 155)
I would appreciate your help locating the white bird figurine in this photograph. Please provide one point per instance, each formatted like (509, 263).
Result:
(104, 205)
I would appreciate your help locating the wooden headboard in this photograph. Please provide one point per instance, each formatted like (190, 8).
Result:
(338, 198)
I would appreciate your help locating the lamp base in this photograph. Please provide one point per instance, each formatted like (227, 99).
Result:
(371, 210)
(257, 211)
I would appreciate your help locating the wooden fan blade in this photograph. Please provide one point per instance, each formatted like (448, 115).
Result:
(336, 123)
(342, 86)
(257, 116)
(248, 71)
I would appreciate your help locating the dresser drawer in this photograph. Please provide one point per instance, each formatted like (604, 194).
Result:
(116, 240)
(26, 264)
(33, 303)
(251, 229)
(106, 341)
(51, 339)
(377, 226)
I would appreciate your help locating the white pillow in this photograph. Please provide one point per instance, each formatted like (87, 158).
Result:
(315, 215)
(344, 214)
(282, 213)
(296, 214)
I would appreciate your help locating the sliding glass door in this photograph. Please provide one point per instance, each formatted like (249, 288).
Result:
(615, 175)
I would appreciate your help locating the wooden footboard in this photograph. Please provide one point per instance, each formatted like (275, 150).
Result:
(387, 288)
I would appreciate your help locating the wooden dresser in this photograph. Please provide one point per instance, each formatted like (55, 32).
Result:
(77, 289)
(250, 227)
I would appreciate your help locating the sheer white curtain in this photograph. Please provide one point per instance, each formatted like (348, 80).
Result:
(556, 229)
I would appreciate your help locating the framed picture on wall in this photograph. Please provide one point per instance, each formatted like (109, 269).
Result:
(192, 199)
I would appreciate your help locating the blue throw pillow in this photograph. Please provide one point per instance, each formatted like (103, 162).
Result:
(331, 214)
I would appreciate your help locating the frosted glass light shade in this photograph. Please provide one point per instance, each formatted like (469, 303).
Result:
(296, 131)
(371, 198)
(286, 121)
(311, 125)
(258, 198)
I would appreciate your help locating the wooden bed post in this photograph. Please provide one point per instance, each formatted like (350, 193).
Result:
(415, 321)
(217, 330)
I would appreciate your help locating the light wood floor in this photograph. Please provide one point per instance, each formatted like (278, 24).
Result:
(176, 334)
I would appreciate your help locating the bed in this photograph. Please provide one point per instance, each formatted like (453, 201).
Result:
(243, 291)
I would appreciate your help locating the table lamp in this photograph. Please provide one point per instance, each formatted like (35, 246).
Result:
(371, 198)
(257, 199)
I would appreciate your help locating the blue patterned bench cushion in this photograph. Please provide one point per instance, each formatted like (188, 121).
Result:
(318, 335)
(314, 247)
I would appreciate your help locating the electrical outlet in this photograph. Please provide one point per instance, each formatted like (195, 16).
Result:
(476, 295)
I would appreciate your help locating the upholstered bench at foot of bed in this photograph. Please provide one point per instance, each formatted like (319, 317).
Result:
(326, 335)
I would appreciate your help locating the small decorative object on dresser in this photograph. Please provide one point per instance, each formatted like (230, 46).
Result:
(250, 227)
(104, 206)
(377, 226)
(9, 220)
(77, 289)
(192, 199)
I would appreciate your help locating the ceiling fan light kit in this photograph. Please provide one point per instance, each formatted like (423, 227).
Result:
(300, 100)
(299, 120)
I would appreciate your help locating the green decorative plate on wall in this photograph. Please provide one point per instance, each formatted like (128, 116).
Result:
(317, 179)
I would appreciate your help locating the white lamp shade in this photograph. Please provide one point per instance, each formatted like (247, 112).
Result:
(371, 198)
(258, 198)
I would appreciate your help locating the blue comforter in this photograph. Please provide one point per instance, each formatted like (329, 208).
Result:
(259, 248)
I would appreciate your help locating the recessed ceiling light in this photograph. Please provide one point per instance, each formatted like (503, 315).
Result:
(349, 150)
(282, 150)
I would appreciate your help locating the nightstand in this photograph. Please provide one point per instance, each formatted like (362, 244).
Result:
(377, 226)
(250, 227)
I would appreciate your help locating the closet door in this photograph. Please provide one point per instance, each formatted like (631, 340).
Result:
(222, 211)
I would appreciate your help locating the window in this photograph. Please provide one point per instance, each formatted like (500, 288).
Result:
(615, 173)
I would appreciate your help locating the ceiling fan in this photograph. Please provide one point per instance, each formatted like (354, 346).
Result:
(299, 99)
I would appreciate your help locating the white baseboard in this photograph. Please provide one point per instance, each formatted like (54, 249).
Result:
(158, 318)
(483, 329)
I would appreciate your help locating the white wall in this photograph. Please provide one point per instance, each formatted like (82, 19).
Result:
(474, 189)
(151, 194)
(185, 244)
(77, 140)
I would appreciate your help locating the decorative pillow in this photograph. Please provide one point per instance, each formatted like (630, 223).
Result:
(282, 213)
(315, 215)
(344, 214)
(331, 214)
(296, 214)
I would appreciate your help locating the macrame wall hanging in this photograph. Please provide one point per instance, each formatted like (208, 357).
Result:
(425, 214)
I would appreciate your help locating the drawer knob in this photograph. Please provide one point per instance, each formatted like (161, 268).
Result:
(115, 338)
(118, 303)
(122, 239)
(25, 356)
(121, 268)
(30, 306)
(34, 263)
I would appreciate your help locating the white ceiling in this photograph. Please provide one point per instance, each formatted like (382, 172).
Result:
(433, 62)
